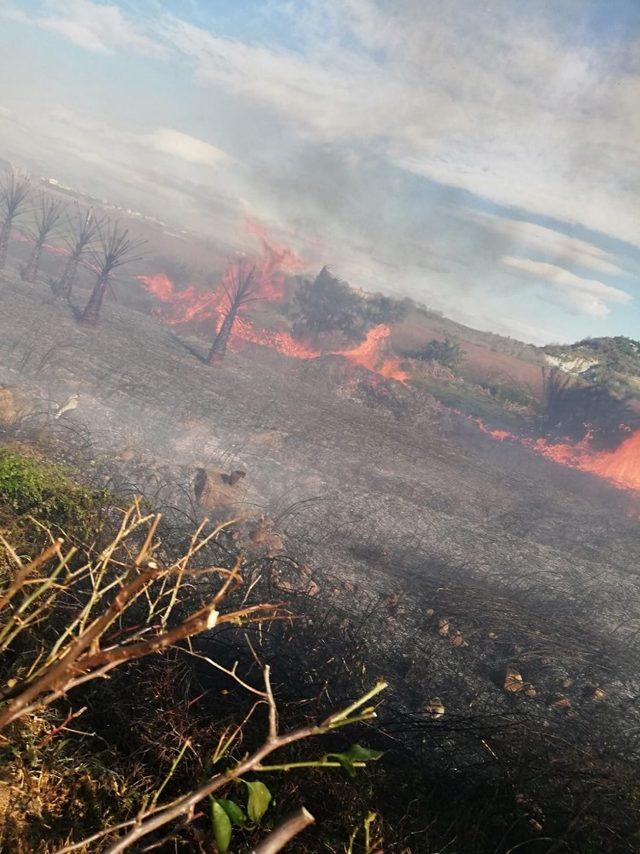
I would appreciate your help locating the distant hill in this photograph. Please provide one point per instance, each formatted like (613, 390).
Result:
(610, 362)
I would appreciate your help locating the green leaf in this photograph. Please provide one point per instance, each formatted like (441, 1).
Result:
(259, 799)
(356, 753)
(234, 812)
(221, 824)
(364, 754)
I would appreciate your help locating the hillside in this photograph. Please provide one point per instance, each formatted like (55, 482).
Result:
(610, 362)
(449, 556)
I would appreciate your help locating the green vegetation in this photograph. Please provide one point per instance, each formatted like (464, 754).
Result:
(184, 724)
(472, 400)
(447, 353)
(616, 362)
(69, 613)
(327, 305)
(31, 487)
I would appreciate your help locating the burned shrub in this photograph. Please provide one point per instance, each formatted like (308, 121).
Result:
(575, 409)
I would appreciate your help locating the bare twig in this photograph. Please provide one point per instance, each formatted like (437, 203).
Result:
(284, 833)
(186, 805)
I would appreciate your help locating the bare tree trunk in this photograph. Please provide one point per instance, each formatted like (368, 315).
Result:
(92, 310)
(219, 346)
(5, 234)
(33, 265)
(68, 278)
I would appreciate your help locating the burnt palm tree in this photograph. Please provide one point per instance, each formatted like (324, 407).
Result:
(241, 286)
(47, 215)
(14, 192)
(574, 408)
(115, 249)
(83, 231)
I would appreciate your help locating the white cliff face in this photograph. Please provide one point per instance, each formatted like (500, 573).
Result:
(575, 365)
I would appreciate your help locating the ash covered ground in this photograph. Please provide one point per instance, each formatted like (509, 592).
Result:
(464, 559)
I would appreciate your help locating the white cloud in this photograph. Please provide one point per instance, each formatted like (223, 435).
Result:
(329, 129)
(96, 27)
(463, 95)
(561, 248)
(185, 147)
(587, 296)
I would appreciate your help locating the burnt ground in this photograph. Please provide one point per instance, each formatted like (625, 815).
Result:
(405, 513)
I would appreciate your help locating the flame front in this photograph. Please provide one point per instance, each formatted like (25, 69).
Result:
(620, 466)
(192, 305)
(368, 354)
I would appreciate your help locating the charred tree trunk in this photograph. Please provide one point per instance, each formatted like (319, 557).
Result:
(33, 265)
(5, 234)
(68, 278)
(92, 310)
(219, 347)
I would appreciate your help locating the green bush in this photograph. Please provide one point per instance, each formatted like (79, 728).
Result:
(447, 353)
(328, 304)
(31, 487)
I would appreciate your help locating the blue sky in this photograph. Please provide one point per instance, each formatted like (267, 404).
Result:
(481, 157)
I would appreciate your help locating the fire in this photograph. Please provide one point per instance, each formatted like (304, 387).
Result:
(20, 237)
(367, 354)
(620, 466)
(275, 261)
(185, 306)
(192, 305)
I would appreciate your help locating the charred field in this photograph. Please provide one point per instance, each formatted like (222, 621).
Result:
(496, 590)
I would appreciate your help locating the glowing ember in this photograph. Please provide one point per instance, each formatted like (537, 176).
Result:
(20, 237)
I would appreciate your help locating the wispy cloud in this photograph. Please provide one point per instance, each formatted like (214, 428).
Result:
(381, 134)
(185, 147)
(555, 246)
(587, 296)
(96, 27)
(466, 97)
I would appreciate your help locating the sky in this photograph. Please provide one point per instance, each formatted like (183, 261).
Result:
(479, 156)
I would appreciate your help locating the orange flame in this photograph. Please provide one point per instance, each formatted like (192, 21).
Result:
(275, 261)
(368, 354)
(195, 306)
(620, 466)
(20, 237)
(190, 305)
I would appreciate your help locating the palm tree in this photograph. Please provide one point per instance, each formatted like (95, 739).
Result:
(241, 286)
(115, 249)
(83, 231)
(47, 216)
(14, 191)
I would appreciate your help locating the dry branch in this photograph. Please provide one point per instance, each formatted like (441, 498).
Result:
(284, 833)
(160, 816)
(106, 587)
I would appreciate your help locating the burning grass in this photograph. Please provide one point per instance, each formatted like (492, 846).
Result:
(620, 466)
